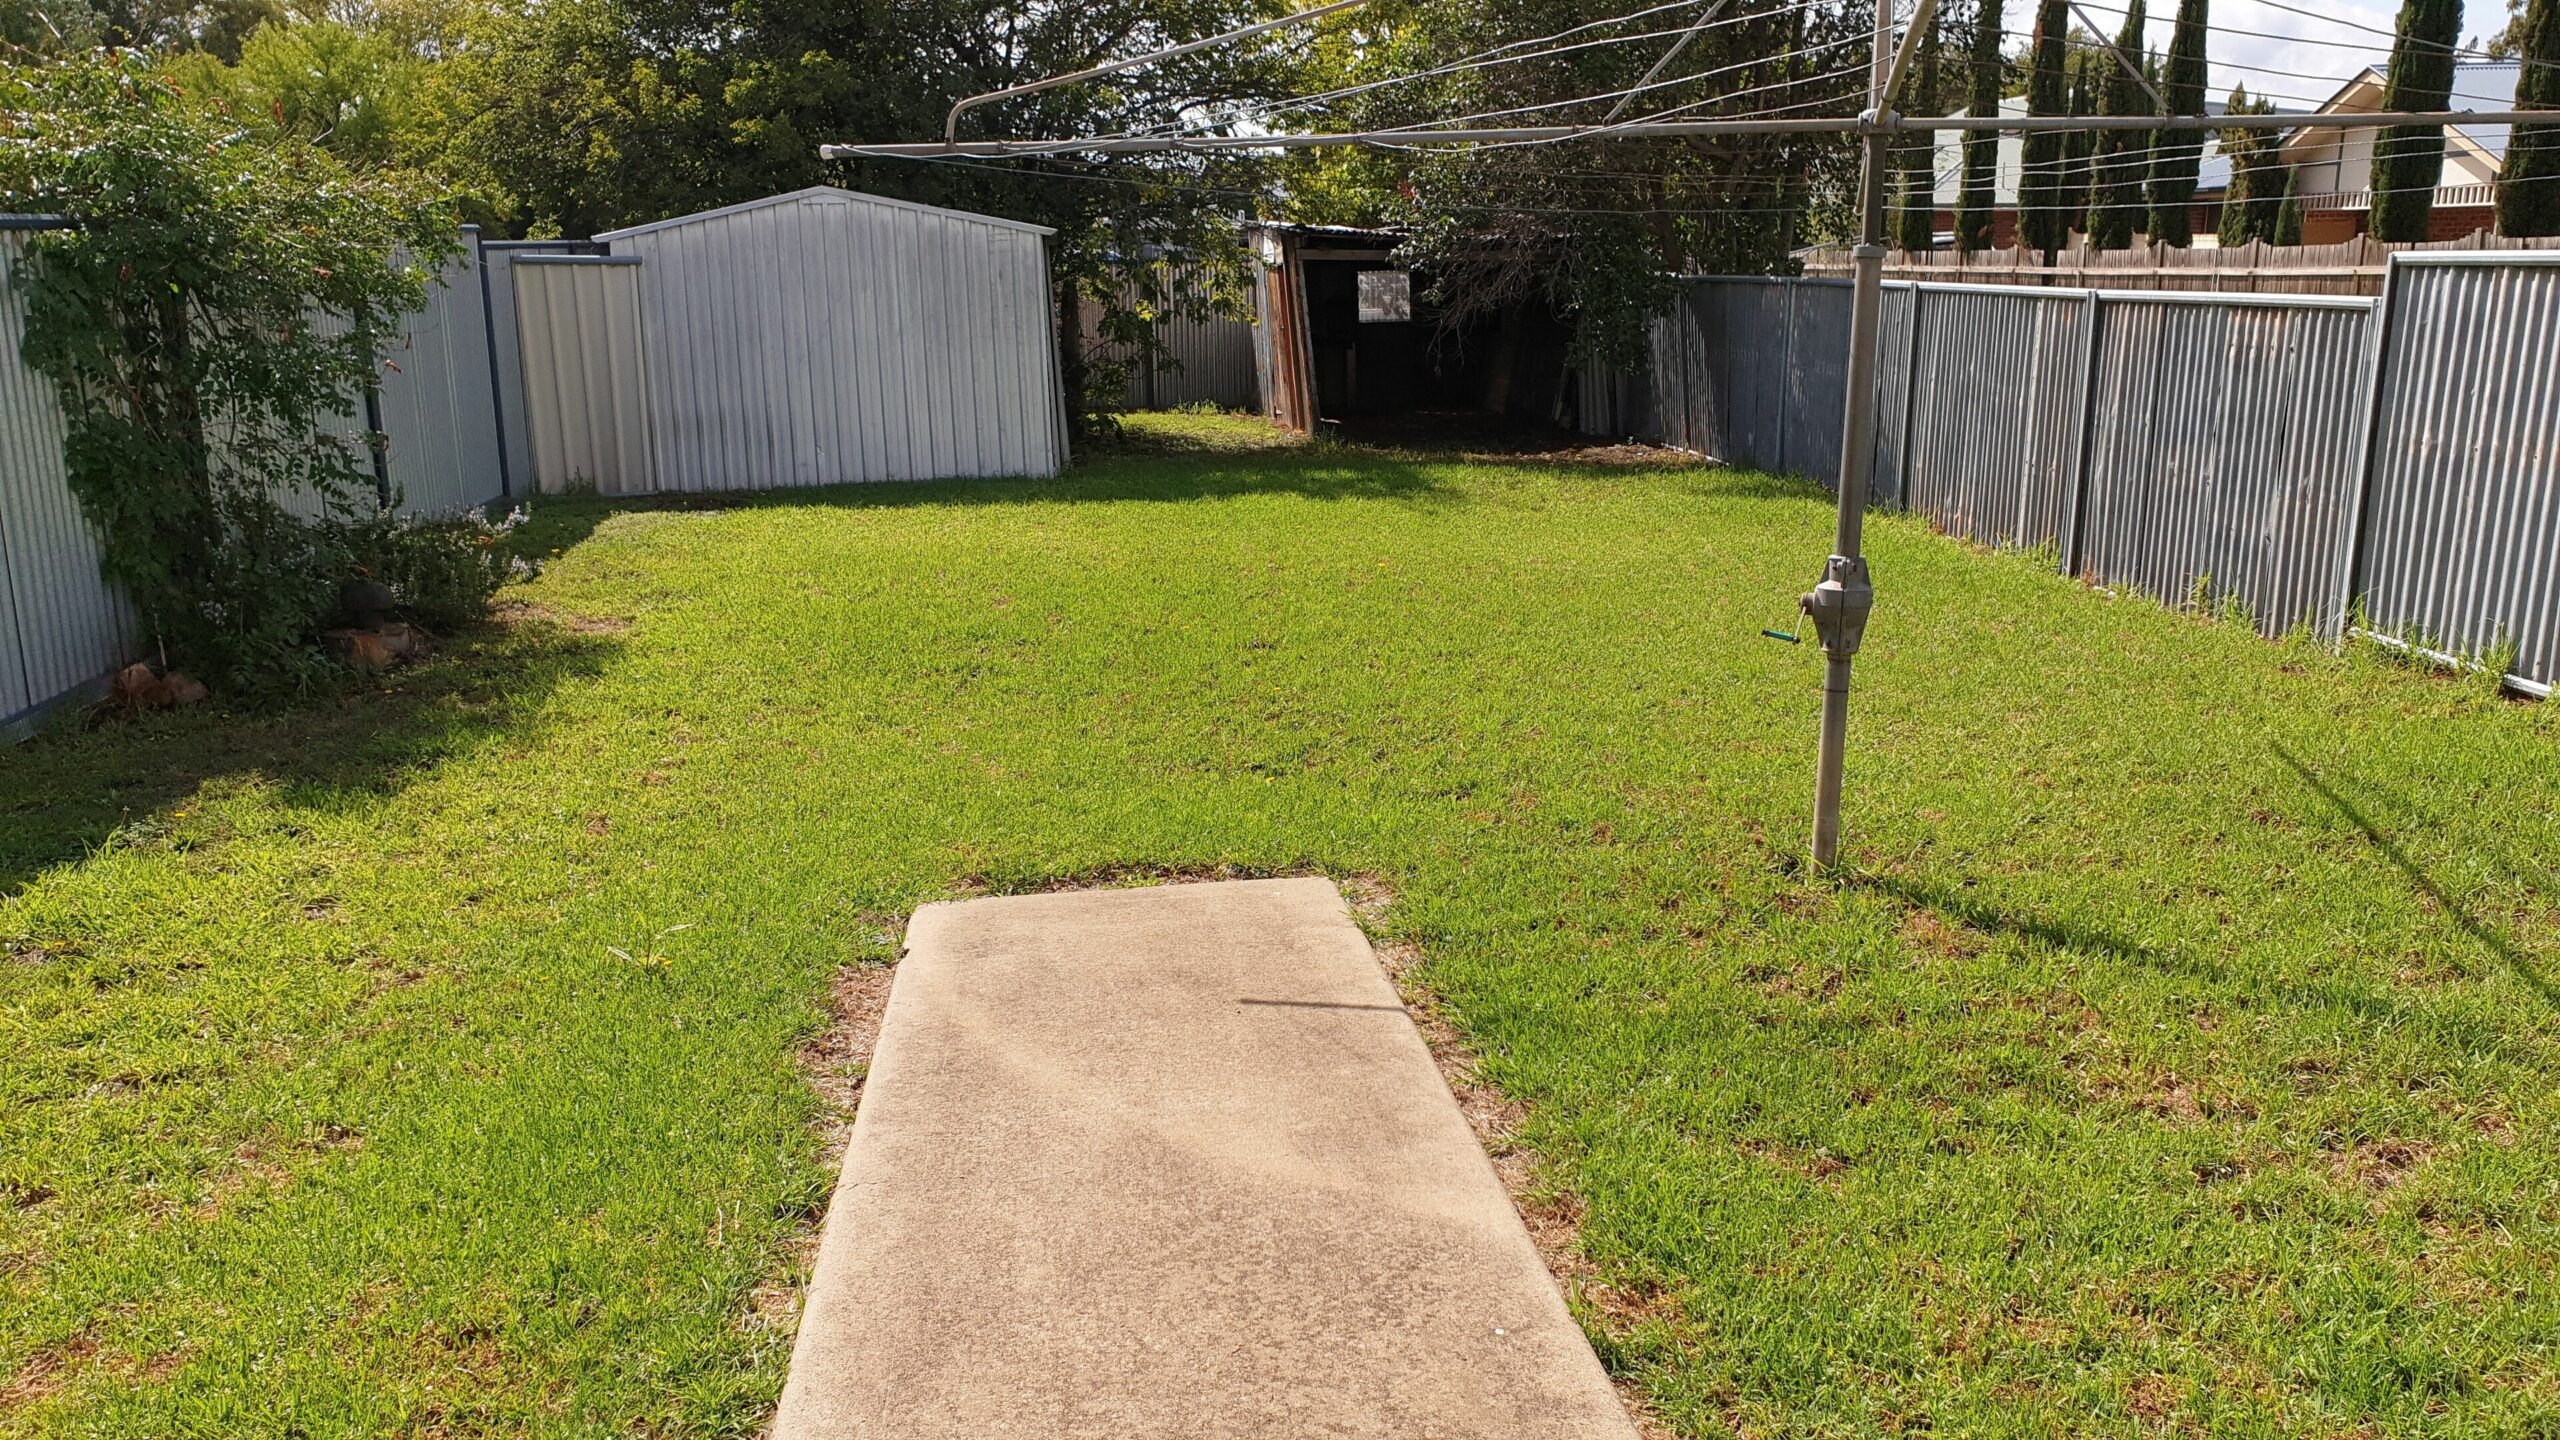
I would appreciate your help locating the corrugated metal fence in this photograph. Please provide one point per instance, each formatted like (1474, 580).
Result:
(1200, 360)
(62, 627)
(2280, 454)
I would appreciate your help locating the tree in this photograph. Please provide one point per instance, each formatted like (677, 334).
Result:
(207, 325)
(2288, 228)
(2176, 157)
(2529, 182)
(2115, 184)
(1977, 197)
(2042, 221)
(2408, 160)
(590, 114)
(1916, 223)
(350, 91)
(2248, 202)
(2079, 145)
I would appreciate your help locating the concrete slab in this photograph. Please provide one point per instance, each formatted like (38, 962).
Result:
(1172, 1162)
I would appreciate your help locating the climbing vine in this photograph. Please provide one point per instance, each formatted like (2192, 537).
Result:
(206, 317)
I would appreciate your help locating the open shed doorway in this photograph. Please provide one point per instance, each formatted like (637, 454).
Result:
(1351, 343)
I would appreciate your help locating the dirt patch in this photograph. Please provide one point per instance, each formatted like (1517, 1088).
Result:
(836, 1061)
(1553, 1216)
(46, 1372)
(2378, 1167)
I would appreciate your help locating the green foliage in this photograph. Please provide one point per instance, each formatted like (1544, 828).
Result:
(1977, 195)
(2408, 160)
(2043, 223)
(2288, 226)
(2251, 206)
(2079, 146)
(1916, 187)
(352, 92)
(207, 326)
(591, 114)
(2529, 182)
(2177, 154)
(442, 570)
(2116, 166)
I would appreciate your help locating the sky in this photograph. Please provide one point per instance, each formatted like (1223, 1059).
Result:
(2318, 57)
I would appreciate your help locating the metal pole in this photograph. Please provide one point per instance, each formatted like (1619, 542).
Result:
(1839, 605)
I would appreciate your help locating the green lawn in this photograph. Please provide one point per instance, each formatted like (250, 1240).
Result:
(2180, 1055)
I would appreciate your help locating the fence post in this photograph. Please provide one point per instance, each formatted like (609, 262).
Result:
(2073, 524)
(1910, 391)
(2360, 495)
(1787, 382)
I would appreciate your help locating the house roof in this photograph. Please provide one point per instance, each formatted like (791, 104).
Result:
(814, 192)
(2477, 85)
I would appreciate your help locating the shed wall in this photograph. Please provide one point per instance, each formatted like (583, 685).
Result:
(826, 339)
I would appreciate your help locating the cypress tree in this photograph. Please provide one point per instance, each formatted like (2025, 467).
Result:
(2529, 182)
(2078, 145)
(2174, 163)
(1981, 147)
(2115, 180)
(1916, 228)
(2236, 222)
(2042, 222)
(2408, 160)
(2289, 209)
(2249, 205)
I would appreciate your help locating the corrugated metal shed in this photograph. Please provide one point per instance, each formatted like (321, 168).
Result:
(585, 399)
(826, 336)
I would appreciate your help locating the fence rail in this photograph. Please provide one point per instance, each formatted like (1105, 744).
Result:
(2307, 459)
(2350, 267)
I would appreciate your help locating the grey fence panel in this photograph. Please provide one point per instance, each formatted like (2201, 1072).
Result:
(2222, 454)
(61, 625)
(1205, 359)
(586, 393)
(1816, 376)
(2461, 541)
(439, 411)
(1995, 411)
(498, 281)
(1894, 338)
(1755, 416)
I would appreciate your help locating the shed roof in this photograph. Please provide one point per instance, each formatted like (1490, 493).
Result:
(835, 192)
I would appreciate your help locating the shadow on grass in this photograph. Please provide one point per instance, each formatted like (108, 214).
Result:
(1992, 920)
(2491, 938)
(68, 791)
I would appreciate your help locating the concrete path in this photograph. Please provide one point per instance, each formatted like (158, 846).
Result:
(1172, 1162)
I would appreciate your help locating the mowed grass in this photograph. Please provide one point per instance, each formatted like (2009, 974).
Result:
(2178, 1055)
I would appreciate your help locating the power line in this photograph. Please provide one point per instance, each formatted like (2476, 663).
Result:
(1481, 60)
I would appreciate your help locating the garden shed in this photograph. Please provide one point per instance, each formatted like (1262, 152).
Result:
(811, 338)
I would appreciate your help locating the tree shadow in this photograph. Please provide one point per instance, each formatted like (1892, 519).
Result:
(2490, 937)
(69, 790)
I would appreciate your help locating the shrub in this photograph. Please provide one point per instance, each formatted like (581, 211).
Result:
(442, 571)
(208, 326)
